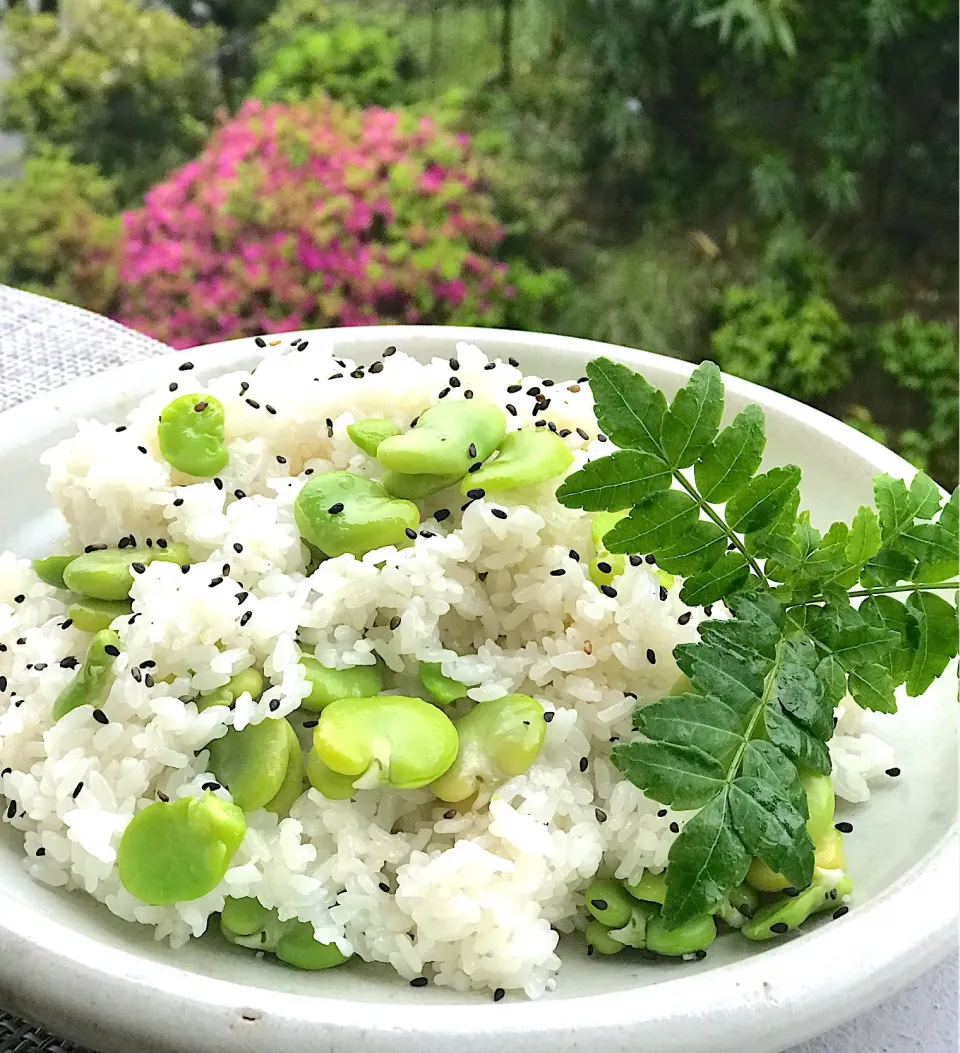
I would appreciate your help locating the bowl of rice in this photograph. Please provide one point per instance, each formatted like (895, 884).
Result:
(463, 923)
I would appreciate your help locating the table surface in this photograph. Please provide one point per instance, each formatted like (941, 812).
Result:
(44, 344)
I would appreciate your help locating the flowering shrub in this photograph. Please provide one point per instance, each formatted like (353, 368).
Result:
(314, 215)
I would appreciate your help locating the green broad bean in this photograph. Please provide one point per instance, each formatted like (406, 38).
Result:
(821, 803)
(498, 739)
(333, 785)
(90, 615)
(327, 685)
(634, 933)
(50, 570)
(90, 684)
(179, 850)
(651, 888)
(525, 457)
(694, 935)
(789, 912)
(415, 487)
(341, 512)
(293, 941)
(292, 785)
(442, 689)
(249, 680)
(106, 574)
(598, 937)
(368, 434)
(391, 740)
(447, 440)
(602, 524)
(682, 685)
(738, 906)
(252, 763)
(191, 435)
(243, 916)
(609, 903)
(605, 566)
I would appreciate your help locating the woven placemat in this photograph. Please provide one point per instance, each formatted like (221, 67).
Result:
(43, 345)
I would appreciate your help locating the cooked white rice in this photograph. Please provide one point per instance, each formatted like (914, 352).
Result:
(475, 901)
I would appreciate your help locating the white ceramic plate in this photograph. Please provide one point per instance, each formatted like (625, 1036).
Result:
(70, 964)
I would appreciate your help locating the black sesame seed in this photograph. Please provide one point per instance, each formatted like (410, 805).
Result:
(832, 894)
(100, 717)
(411, 533)
(40, 851)
(539, 423)
(214, 582)
(149, 542)
(242, 597)
(591, 950)
(395, 622)
(185, 366)
(177, 502)
(148, 680)
(200, 407)
(699, 954)
(475, 467)
(357, 374)
(674, 828)
(557, 573)
(122, 427)
(708, 610)
(651, 656)
(64, 624)
(583, 435)
(600, 814)
(780, 928)
(650, 560)
(893, 772)
(684, 618)
(441, 514)
(548, 716)
(490, 365)
(112, 650)
(391, 350)
(450, 813)
(142, 449)
(604, 567)
(19, 598)
(512, 410)
(334, 376)
(844, 828)
(185, 568)
(601, 437)
(237, 547)
(465, 506)
(482, 576)
(21, 640)
(514, 388)
(136, 674)
(635, 561)
(584, 763)
(414, 422)
(210, 786)
(247, 615)
(173, 386)
(468, 394)
(218, 482)
(383, 886)
(454, 364)
(335, 509)
(547, 383)
(663, 594)
(3, 683)
(513, 362)
(564, 432)
(534, 391)
(252, 403)
(76, 790)
(137, 568)
(600, 904)
(472, 450)
(419, 981)
(500, 514)
(427, 533)
(629, 694)
(11, 809)
(476, 493)
(310, 723)
(6, 771)
(148, 664)
(308, 471)
(270, 409)
(376, 367)
(574, 555)
(543, 406)
(274, 705)
(454, 382)
(840, 911)
(260, 342)
(608, 590)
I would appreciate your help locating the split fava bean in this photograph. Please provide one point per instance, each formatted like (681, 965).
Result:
(786, 913)
(90, 615)
(292, 785)
(605, 566)
(442, 689)
(342, 512)
(414, 487)
(442, 441)
(694, 935)
(252, 763)
(247, 680)
(525, 457)
(368, 434)
(191, 435)
(634, 932)
(609, 903)
(498, 740)
(738, 906)
(293, 941)
(391, 740)
(106, 574)
(651, 888)
(50, 570)
(179, 850)
(333, 785)
(243, 916)
(327, 685)
(90, 684)
(598, 937)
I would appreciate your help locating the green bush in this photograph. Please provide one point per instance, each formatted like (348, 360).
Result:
(796, 343)
(53, 237)
(289, 18)
(130, 90)
(351, 62)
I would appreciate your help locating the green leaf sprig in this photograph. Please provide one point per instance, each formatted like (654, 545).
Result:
(765, 681)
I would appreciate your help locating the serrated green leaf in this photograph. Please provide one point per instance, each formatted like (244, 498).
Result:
(730, 462)
(832, 679)
(801, 695)
(924, 496)
(767, 542)
(950, 516)
(692, 720)
(893, 503)
(629, 409)
(609, 484)
(772, 829)
(735, 679)
(863, 540)
(884, 612)
(701, 544)
(680, 776)
(861, 645)
(872, 688)
(927, 543)
(760, 502)
(887, 568)
(933, 637)
(711, 584)
(655, 521)
(693, 419)
(763, 760)
(705, 861)
(799, 745)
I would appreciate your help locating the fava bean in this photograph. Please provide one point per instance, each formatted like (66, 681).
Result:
(293, 941)
(341, 512)
(90, 684)
(90, 615)
(788, 912)
(598, 937)
(694, 935)
(448, 439)
(179, 850)
(50, 570)
(391, 740)
(821, 804)
(738, 906)
(525, 457)
(368, 434)
(327, 685)
(292, 786)
(651, 888)
(252, 763)
(106, 574)
(247, 680)
(330, 783)
(634, 933)
(609, 903)
(498, 739)
(442, 689)
(243, 916)
(414, 487)
(606, 566)
(191, 435)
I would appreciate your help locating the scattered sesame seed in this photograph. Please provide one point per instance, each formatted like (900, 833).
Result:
(177, 502)
(584, 763)
(237, 547)
(40, 851)
(840, 911)
(454, 364)
(11, 809)
(604, 567)
(274, 705)
(552, 426)
(443, 394)
(427, 533)
(185, 568)
(450, 813)
(242, 597)
(357, 374)
(3, 683)
(148, 680)
(663, 594)
(260, 342)
(600, 904)
(112, 650)
(281, 459)
(564, 432)
(64, 624)
(184, 366)
(600, 814)
(247, 615)
(210, 786)
(137, 568)
(239, 494)
(684, 618)
(539, 423)
(218, 482)
(591, 950)
(383, 886)
(893, 772)
(335, 509)
(441, 514)
(844, 828)
(76, 790)
(214, 582)
(699, 954)
(122, 427)
(334, 376)
(419, 981)
(482, 576)
(100, 717)
(587, 647)
(514, 388)
(513, 362)
(395, 622)
(534, 391)
(583, 435)
(490, 365)
(708, 610)
(557, 572)
(411, 533)
(780, 928)
(200, 407)
(142, 449)
(468, 394)
(651, 656)
(476, 493)
(244, 386)
(583, 380)
(19, 598)
(662, 814)
(310, 723)
(308, 471)
(376, 367)
(500, 514)
(601, 437)
(475, 467)
(136, 674)
(173, 386)
(609, 590)
(512, 410)
(674, 828)
(270, 409)
(148, 664)
(391, 350)
(548, 716)
(252, 403)
(472, 450)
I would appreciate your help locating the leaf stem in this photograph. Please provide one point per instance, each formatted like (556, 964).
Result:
(769, 684)
(704, 505)
(882, 591)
